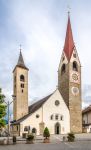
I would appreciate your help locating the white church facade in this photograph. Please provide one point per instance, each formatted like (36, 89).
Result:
(60, 111)
(51, 112)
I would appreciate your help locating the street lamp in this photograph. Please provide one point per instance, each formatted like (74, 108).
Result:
(8, 105)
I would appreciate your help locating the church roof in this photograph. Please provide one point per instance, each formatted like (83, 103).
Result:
(32, 108)
(38, 104)
(69, 42)
(20, 62)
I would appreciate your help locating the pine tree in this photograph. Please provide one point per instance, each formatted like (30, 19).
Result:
(2, 110)
(46, 133)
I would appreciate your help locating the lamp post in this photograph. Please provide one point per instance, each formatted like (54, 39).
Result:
(8, 112)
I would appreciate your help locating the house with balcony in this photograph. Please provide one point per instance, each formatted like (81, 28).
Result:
(86, 119)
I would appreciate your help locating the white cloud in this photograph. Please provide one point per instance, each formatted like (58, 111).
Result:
(40, 27)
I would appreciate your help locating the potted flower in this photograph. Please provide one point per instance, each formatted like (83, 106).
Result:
(46, 134)
(30, 139)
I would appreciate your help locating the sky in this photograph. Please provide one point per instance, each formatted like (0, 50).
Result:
(40, 27)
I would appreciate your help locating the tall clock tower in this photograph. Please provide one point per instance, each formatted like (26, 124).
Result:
(20, 89)
(69, 80)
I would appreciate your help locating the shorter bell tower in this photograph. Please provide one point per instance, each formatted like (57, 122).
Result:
(20, 89)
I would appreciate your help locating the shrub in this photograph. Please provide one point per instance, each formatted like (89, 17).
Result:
(71, 137)
(30, 137)
(46, 133)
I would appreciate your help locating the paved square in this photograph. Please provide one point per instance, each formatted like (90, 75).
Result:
(82, 142)
(81, 145)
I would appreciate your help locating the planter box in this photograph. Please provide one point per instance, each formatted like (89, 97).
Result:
(46, 141)
(29, 142)
(24, 135)
(3, 142)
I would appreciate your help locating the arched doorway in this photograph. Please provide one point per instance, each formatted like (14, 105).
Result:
(57, 128)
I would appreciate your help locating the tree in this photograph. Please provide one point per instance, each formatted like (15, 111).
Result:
(46, 133)
(2, 110)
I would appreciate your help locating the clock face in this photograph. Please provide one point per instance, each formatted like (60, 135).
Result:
(75, 76)
(75, 91)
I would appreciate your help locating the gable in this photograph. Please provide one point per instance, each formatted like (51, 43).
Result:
(32, 108)
(50, 103)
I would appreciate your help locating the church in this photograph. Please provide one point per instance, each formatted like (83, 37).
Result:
(61, 111)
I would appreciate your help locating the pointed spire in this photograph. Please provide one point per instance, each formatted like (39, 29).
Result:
(69, 42)
(20, 62)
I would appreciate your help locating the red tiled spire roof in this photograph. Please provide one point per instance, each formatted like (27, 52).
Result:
(69, 43)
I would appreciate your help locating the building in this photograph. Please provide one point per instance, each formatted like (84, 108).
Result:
(61, 110)
(20, 89)
(86, 118)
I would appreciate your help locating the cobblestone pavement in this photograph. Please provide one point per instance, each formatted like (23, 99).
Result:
(86, 145)
(82, 142)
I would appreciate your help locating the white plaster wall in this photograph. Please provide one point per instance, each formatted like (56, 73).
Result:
(32, 121)
(49, 108)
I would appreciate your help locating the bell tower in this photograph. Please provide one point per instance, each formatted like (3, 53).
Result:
(69, 80)
(20, 89)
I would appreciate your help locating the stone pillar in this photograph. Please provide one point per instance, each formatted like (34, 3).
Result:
(41, 127)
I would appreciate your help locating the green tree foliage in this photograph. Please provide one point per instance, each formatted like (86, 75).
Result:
(2, 109)
(46, 133)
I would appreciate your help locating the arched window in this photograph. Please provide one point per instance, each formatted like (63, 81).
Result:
(37, 116)
(61, 117)
(63, 69)
(22, 85)
(75, 66)
(27, 128)
(34, 130)
(57, 102)
(51, 117)
(56, 117)
(22, 90)
(15, 78)
(22, 78)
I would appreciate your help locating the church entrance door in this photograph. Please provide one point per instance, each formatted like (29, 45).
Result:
(57, 128)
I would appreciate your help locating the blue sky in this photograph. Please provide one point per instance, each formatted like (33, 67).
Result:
(40, 26)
